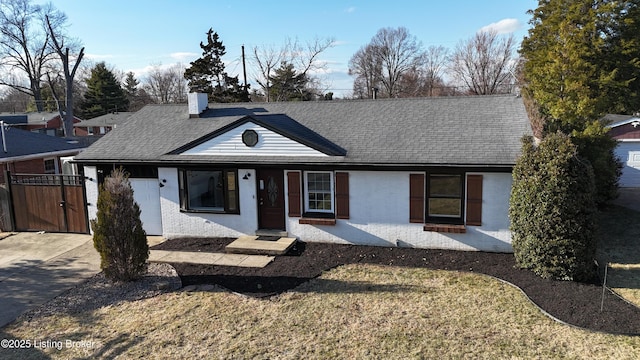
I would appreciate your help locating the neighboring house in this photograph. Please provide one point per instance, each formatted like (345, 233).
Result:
(428, 172)
(34, 153)
(626, 129)
(100, 125)
(49, 123)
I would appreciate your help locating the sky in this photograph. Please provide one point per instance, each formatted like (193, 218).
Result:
(134, 35)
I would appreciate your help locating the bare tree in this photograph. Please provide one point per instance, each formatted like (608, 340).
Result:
(485, 63)
(398, 51)
(435, 62)
(25, 46)
(267, 59)
(13, 100)
(367, 68)
(69, 71)
(303, 57)
(166, 85)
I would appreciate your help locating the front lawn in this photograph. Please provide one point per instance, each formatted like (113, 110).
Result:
(353, 311)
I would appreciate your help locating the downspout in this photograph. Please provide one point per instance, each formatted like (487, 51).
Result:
(4, 141)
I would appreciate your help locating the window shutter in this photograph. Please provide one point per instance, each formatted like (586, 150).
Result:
(416, 198)
(342, 195)
(293, 185)
(474, 200)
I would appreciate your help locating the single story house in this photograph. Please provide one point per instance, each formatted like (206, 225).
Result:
(49, 123)
(34, 153)
(427, 172)
(626, 130)
(100, 125)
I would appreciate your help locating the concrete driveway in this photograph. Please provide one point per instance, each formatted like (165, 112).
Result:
(629, 198)
(37, 267)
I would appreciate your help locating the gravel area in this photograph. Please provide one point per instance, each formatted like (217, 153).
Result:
(98, 292)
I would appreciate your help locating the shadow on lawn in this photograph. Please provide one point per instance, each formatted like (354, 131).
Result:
(619, 247)
(14, 348)
(264, 286)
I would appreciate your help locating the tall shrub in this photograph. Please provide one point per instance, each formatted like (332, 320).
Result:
(553, 210)
(117, 230)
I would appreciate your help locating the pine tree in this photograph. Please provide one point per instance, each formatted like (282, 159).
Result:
(104, 93)
(207, 74)
(137, 97)
(131, 86)
(576, 70)
(287, 85)
(580, 59)
(118, 235)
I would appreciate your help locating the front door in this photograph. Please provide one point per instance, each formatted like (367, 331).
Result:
(271, 199)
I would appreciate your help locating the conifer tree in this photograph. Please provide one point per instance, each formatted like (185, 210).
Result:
(118, 235)
(287, 85)
(580, 63)
(207, 74)
(104, 93)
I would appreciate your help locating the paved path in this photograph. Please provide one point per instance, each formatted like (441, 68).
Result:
(221, 259)
(37, 267)
(629, 198)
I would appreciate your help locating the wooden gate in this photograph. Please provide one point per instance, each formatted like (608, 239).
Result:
(53, 203)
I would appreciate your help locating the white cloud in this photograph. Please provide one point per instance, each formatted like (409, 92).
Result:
(504, 26)
(99, 56)
(350, 9)
(182, 56)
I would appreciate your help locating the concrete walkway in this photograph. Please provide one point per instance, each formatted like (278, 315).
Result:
(221, 259)
(629, 198)
(37, 267)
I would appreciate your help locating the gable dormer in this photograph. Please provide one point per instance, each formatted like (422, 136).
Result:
(265, 135)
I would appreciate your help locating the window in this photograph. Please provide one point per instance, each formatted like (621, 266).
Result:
(444, 198)
(50, 166)
(209, 191)
(319, 192)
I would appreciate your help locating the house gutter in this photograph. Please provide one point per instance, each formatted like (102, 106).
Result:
(40, 155)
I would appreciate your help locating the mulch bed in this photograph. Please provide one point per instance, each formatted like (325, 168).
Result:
(574, 303)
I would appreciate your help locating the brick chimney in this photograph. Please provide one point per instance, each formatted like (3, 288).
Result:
(198, 102)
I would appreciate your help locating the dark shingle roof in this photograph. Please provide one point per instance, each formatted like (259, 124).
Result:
(110, 119)
(474, 131)
(24, 143)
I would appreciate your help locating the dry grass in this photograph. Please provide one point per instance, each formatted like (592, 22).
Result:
(354, 311)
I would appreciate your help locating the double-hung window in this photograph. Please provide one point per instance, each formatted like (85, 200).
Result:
(210, 190)
(318, 193)
(50, 166)
(444, 198)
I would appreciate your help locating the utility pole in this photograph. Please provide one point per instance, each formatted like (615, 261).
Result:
(244, 69)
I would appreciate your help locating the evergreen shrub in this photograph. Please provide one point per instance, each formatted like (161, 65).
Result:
(553, 211)
(117, 230)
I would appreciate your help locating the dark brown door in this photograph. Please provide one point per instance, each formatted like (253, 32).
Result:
(271, 199)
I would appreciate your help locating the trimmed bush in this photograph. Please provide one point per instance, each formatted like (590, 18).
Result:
(553, 211)
(117, 231)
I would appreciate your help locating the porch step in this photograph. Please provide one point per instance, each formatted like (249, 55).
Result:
(267, 232)
(252, 246)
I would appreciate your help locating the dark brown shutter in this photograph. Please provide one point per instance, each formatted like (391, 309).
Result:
(294, 195)
(474, 200)
(342, 195)
(416, 198)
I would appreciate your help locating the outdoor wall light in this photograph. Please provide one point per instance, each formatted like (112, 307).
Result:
(163, 182)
